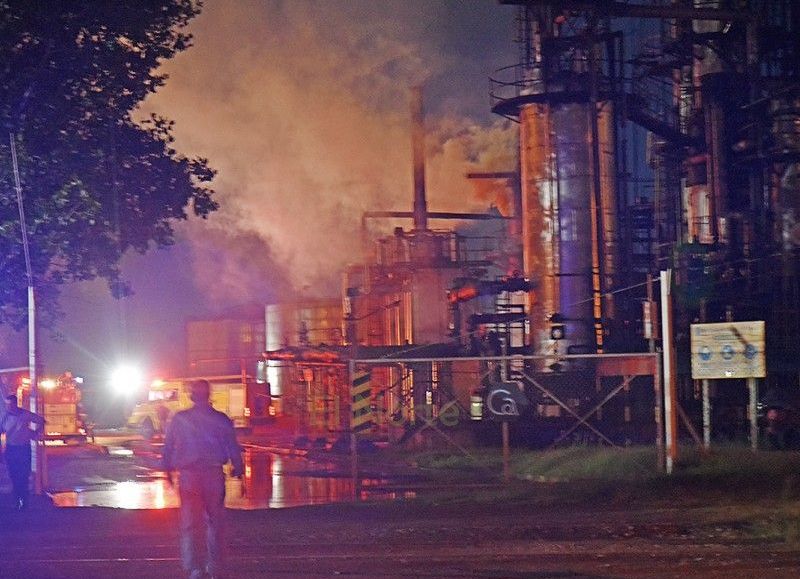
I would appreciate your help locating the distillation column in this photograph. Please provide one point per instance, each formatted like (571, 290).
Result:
(568, 180)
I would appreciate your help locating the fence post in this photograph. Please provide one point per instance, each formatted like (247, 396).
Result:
(670, 386)
(353, 439)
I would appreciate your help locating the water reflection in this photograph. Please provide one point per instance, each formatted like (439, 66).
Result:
(151, 494)
(270, 481)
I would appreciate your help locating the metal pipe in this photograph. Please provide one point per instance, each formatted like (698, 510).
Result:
(511, 358)
(418, 145)
(597, 215)
(432, 215)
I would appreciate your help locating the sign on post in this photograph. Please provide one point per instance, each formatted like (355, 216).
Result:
(361, 402)
(505, 401)
(728, 350)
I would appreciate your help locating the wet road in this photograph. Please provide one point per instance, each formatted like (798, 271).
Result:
(455, 538)
(123, 472)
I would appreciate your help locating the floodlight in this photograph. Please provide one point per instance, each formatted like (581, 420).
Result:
(126, 379)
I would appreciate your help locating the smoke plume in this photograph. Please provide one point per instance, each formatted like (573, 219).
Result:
(302, 107)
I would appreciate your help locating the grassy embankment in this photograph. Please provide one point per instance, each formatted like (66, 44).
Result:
(732, 473)
(719, 469)
(762, 487)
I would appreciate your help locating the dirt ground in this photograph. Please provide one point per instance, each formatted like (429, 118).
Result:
(699, 528)
(616, 536)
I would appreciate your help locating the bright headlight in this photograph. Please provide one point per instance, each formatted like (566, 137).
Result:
(126, 379)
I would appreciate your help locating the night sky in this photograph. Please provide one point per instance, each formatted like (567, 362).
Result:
(302, 108)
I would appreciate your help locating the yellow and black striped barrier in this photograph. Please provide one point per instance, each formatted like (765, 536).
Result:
(361, 396)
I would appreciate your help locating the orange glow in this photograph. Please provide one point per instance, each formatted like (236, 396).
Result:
(304, 355)
(538, 173)
(462, 294)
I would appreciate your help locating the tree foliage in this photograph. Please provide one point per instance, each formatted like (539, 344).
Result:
(95, 182)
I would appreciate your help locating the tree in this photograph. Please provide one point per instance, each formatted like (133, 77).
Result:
(96, 183)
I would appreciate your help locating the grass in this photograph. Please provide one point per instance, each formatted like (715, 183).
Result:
(631, 464)
(726, 473)
(753, 494)
(566, 464)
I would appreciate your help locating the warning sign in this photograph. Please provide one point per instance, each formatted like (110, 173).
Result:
(728, 350)
(361, 392)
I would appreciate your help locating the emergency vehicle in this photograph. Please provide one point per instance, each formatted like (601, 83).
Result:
(60, 405)
(246, 402)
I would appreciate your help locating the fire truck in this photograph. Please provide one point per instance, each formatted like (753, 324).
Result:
(60, 405)
(246, 402)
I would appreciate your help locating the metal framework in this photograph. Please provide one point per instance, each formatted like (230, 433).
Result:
(528, 370)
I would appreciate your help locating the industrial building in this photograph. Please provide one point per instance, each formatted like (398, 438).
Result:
(660, 135)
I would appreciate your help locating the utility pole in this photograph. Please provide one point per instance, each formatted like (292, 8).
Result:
(37, 462)
(669, 366)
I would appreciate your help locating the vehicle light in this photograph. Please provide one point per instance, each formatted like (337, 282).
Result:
(272, 411)
(126, 380)
(47, 384)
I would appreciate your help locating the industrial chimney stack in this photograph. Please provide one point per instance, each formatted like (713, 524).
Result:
(418, 144)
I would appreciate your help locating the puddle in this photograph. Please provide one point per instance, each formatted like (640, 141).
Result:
(154, 494)
(270, 481)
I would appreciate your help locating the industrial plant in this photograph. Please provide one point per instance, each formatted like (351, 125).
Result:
(654, 137)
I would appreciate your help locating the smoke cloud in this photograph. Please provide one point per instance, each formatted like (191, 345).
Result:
(303, 109)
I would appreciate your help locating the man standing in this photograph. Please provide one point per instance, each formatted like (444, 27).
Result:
(198, 442)
(20, 426)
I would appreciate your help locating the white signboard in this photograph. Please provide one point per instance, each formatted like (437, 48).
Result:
(728, 350)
